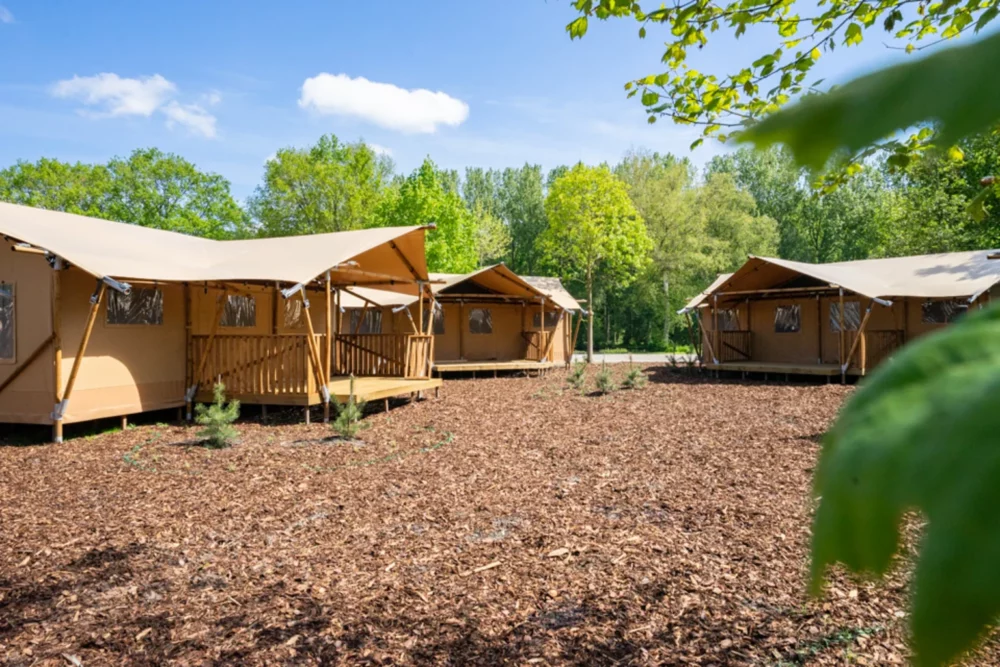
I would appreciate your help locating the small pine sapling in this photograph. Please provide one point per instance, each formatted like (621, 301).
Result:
(577, 376)
(217, 419)
(348, 422)
(605, 383)
(635, 379)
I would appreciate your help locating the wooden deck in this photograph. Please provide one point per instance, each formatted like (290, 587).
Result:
(374, 388)
(496, 366)
(780, 368)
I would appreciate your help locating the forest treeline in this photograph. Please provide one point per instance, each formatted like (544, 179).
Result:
(690, 224)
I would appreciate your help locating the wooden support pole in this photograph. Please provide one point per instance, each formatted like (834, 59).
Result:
(461, 330)
(336, 326)
(57, 354)
(313, 351)
(420, 309)
(552, 339)
(95, 306)
(274, 310)
(857, 339)
(188, 357)
(328, 357)
(541, 323)
(124, 422)
(196, 380)
(361, 319)
(840, 354)
(819, 331)
(694, 345)
(715, 326)
(576, 335)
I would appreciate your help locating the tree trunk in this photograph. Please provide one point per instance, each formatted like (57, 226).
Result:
(590, 320)
(666, 312)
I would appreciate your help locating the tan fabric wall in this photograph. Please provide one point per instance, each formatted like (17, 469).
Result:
(30, 398)
(269, 310)
(127, 368)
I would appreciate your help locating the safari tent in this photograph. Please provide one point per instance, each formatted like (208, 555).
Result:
(487, 320)
(101, 319)
(839, 319)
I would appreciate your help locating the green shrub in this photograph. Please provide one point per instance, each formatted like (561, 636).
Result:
(218, 419)
(348, 422)
(635, 379)
(605, 383)
(577, 377)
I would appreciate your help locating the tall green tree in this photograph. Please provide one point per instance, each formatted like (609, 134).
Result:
(162, 190)
(329, 187)
(57, 186)
(521, 205)
(594, 229)
(422, 199)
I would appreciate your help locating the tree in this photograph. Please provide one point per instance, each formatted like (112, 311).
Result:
(522, 208)
(330, 187)
(58, 186)
(802, 35)
(161, 190)
(423, 199)
(593, 227)
(149, 188)
(492, 236)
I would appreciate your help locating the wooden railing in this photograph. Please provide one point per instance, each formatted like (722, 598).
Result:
(383, 355)
(537, 343)
(734, 346)
(255, 365)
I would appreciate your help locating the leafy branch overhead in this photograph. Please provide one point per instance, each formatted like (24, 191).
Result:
(803, 34)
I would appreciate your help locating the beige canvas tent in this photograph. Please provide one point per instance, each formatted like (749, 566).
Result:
(837, 319)
(100, 319)
(488, 320)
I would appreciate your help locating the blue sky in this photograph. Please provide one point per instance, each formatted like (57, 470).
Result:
(225, 84)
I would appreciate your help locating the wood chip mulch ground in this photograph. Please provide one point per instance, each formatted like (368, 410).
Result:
(513, 520)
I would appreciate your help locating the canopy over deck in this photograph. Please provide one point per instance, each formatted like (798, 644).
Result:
(387, 256)
(554, 288)
(938, 276)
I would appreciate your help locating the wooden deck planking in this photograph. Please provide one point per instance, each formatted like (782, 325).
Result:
(778, 367)
(513, 365)
(374, 388)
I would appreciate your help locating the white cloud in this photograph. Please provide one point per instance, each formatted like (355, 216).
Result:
(5, 15)
(191, 116)
(118, 96)
(114, 96)
(383, 104)
(378, 149)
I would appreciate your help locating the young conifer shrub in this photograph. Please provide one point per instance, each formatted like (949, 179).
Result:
(217, 419)
(577, 376)
(635, 379)
(605, 383)
(348, 422)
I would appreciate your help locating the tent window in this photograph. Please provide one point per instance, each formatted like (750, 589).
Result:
(372, 322)
(787, 319)
(143, 305)
(942, 312)
(852, 316)
(294, 318)
(438, 320)
(729, 320)
(480, 321)
(551, 319)
(240, 311)
(6, 322)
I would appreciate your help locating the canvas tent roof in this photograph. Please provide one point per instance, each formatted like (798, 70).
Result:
(554, 288)
(942, 275)
(696, 301)
(105, 248)
(497, 278)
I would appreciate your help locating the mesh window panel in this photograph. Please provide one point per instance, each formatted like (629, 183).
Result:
(942, 312)
(6, 322)
(239, 311)
(293, 314)
(729, 320)
(480, 321)
(438, 321)
(143, 305)
(371, 324)
(551, 319)
(852, 316)
(787, 319)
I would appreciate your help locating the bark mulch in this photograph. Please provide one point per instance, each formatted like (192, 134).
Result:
(513, 520)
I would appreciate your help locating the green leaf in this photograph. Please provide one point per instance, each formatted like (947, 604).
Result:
(955, 153)
(853, 35)
(642, 33)
(977, 207)
(649, 98)
(577, 27)
(922, 433)
(952, 86)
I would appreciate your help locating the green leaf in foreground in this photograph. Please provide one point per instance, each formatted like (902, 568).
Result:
(954, 87)
(923, 433)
